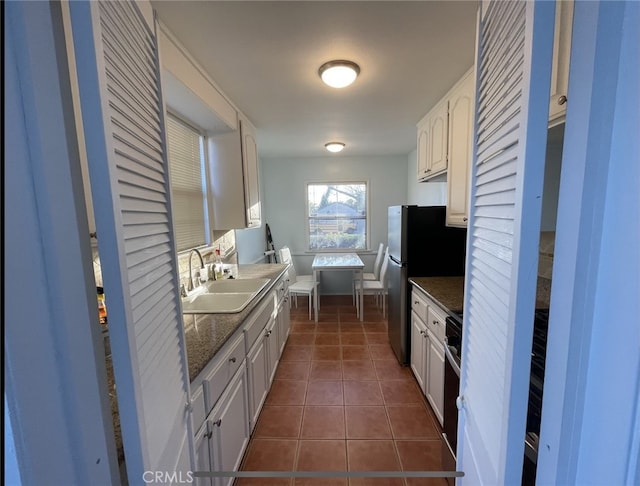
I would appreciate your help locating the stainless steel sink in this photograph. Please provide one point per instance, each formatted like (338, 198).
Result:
(223, 296)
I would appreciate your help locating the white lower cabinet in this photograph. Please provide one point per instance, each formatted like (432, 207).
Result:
(419, 350)
(203, 455)
(230, 427)
(284, 322)
(273, 349)
(257, 366)
(221, 441)
(435, 379)
(427, 349)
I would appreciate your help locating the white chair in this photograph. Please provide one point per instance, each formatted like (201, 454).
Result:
(375, 275)
(298, 284)
(285, 257)
(375, 287)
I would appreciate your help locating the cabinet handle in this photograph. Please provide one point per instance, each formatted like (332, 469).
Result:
(464, 220)
(208, 435)
(218, 422)
(422, 332)
(232, 360)
(268, 333)
(562, 100)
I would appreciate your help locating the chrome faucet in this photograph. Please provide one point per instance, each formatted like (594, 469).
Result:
(190, 284)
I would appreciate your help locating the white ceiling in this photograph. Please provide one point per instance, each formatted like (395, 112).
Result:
(265, 56)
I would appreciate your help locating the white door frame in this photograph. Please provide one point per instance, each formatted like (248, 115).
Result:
(55, 376)
(590, 428)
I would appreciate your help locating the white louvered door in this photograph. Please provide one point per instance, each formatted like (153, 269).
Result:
(513, 67)
(123, 114)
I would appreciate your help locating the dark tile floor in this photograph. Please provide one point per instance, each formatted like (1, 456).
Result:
(341, 402)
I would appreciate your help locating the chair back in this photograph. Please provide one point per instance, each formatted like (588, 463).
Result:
(383, 268)
(378, 262)
(285, 257)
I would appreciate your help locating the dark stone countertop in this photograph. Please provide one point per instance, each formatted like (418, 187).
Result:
(447, 292)
(205, 334)
(203, 340)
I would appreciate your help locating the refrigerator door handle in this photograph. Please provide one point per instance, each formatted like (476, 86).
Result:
(397, 262)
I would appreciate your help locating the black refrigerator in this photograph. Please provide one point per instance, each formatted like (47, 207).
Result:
(420, 245)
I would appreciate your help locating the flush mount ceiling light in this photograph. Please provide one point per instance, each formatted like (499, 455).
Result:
(334, 146)
(339, 74)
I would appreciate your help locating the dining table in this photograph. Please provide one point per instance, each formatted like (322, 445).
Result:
(323, 262)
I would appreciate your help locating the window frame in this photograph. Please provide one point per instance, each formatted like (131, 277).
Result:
(204, 172)
(367, 218)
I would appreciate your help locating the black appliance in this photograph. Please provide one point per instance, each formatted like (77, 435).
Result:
(453, 354)
(536, 385)
(420, 245)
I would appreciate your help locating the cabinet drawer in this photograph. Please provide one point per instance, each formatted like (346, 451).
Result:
(216, 381)
(257, 322)
(436, 322)
(198, 409)
(419, 305)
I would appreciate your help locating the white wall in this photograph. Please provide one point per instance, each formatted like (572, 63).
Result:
(423, 193)
(284, 202)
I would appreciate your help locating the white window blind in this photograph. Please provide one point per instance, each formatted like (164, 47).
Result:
(187, 184)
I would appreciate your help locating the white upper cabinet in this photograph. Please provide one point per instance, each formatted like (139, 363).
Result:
(233, 178)
(439, 141)
(560, 67)
(432, 142)
(461, 103)
(250, 171)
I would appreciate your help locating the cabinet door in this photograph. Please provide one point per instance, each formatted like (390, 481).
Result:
(203, 455)
(283, 323)
(435, 379)
(230, 427)
(250, 171)
(460, 144)
(418, 331)
(560, 66)
(257, 364)
(273, 354)
(423, 148)
(438, 137)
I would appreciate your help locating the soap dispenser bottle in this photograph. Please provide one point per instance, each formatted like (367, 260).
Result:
(218, 265)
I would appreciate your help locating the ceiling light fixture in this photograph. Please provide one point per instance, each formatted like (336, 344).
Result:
(339, 74)
(334, 146)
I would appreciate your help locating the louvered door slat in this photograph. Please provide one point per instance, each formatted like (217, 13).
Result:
(129, 135)
(124, 105)
(134, 204)
(133, 218)
(136, 161)
(123, 42)
(118, 70)
(138, 180)
(155, 313)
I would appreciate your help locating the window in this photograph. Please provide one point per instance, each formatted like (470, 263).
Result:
(188, 190)
(337, 216)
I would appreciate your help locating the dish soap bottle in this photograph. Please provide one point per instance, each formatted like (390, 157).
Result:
(218, 265)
